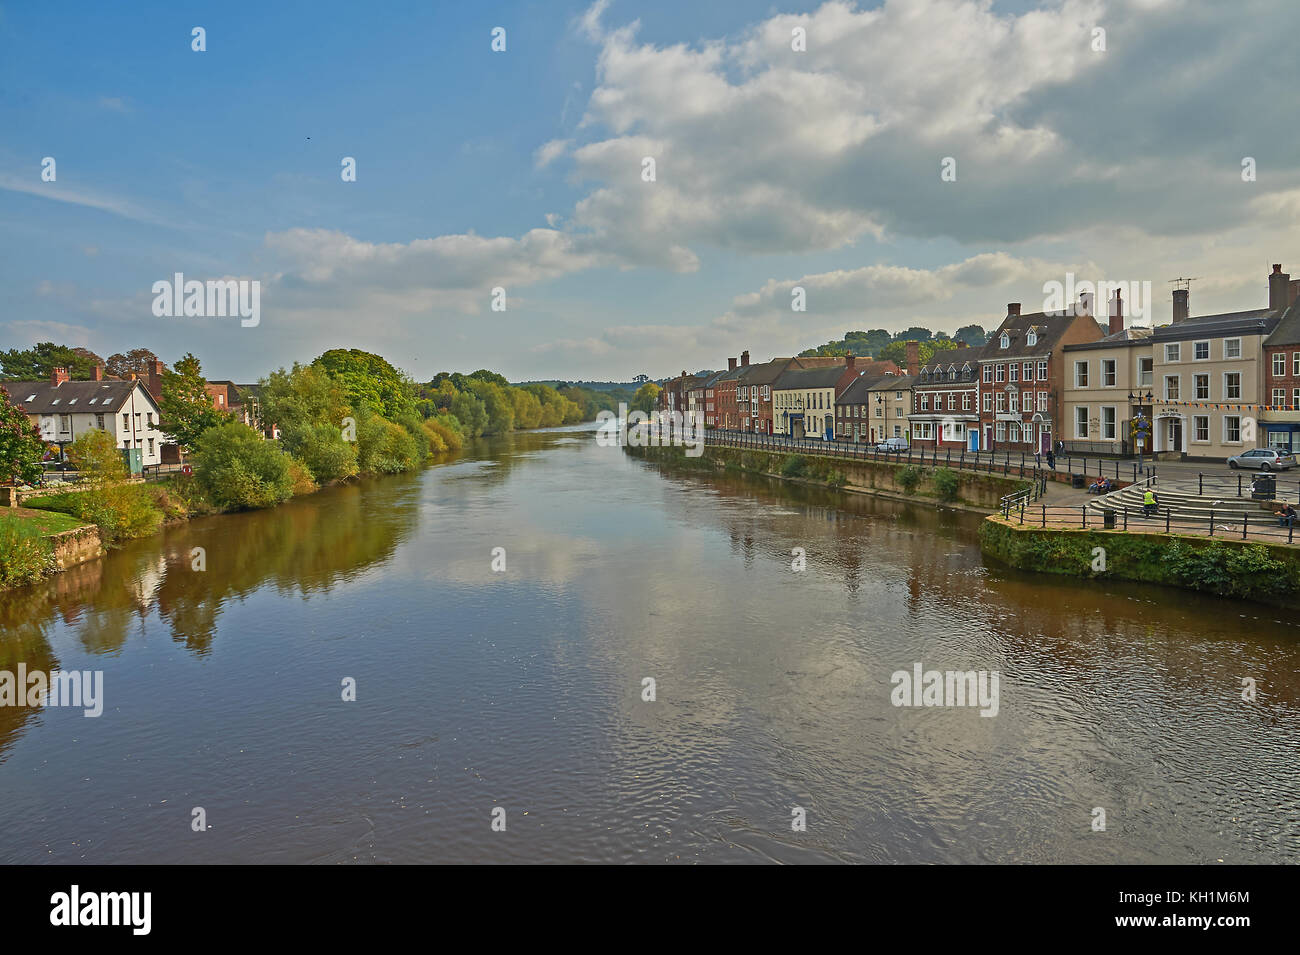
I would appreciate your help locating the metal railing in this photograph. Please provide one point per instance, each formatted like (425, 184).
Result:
(1234, 524)
(1007, 463)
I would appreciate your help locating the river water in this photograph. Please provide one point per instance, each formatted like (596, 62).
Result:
(523, 689)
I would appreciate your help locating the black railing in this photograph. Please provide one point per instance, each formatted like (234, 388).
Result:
(1240, 525)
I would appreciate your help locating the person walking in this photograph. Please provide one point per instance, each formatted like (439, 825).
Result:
(1149, 503)
(1051, 460)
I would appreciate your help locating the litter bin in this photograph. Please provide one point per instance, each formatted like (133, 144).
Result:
(1108, 520)
(1263, 488)
(1077, 480)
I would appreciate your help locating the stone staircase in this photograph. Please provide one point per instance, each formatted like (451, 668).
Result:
(1185, 506)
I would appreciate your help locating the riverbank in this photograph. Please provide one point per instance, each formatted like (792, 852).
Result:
(949, 487)
(1263, 572)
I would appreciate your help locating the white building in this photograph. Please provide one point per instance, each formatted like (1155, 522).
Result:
(64, 410)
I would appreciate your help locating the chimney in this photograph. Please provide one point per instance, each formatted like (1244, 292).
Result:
(731, 364)
(744, 359)
(1085, 303)
(1293, 291)
(1117, 314)
(850, 360)
(914, 358)
(1278, 285)
(58, 375)
(97, 374)
(1180, 305)
(1013, 308)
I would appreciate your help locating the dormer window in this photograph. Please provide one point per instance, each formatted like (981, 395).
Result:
(1031, 338)
(1004, 341)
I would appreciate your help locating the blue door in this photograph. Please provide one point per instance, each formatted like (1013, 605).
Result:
(972, 440)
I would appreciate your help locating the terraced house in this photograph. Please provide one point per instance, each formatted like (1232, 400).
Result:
(1022, 377)
(803, 399)
(945, 401)
(1280, 421)
(1108, 388)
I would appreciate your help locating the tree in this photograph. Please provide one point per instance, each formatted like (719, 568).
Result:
(138, 361)
(310, 408)
(39, 361)
(897, 351)
(972, 335)
(186, 406)
(369, 379)
(646, 397)
(915, 333)
(239, 469)
(21, 447)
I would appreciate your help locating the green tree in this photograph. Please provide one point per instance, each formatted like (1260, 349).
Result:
(471, 413)
(973, 335)
(137, 361)
(369, 379)
(646, 397)
(21, 447)
(238, 469)
(37, 363)
(187, 409)
(311, 408)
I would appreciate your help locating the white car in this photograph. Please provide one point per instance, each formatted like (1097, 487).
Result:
(892, 444)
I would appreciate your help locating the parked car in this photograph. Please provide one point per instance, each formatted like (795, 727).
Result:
(1266, 459)
(892, 444)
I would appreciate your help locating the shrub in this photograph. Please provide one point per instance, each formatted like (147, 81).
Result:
(322, 450)
(908, 477)
(837, 479)
(945, 483)
(385, 447)
(25, 556)
(794, 465)
(238, 469)
(301, 479)
(451, 439)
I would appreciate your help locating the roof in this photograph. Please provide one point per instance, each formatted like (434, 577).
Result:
(1287, 331)
(1255, 321)
(823, 376)
(856, 392)
(1049, 327)
(1127, 338)
(765, 373)
(71, 397)
(892, 383)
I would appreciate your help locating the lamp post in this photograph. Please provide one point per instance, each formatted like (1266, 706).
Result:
(1141, 427)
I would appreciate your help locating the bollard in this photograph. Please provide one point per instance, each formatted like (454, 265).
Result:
(1244, 519)
(1044, 515)
(1211, 522)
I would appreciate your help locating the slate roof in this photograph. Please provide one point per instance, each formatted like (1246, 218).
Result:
(1135, 335)
(1287, 331)
(856, 392)
(70, 397)
(764, 374)
(1255, 321)
(823, 376)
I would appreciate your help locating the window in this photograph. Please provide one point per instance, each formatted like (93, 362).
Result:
(1031, 337)
(1013, 433)
(151, 445)
(65, 424)
(1000, 431)
(988, 372)
(925, 402)
(1171, 353)
(988, 402)
(1201, 351)
(1231, 348)
(1279, 363)
(1002, 373)
(1145, 366)
(1013, 372)
(965, 401)
(1171, 387)
(1002, 402)
(1201, 427)
(898, 396)
(1202, 385)
(126, 421)
(1013, 402)
(1081, 374)
(99, 422)
(879, 411)
(1042, 401)
(1004, 341)
(1279, 397)
(1231, 429)
(1232, 385)
(1108, 423)
(1295, 363)
(1108, 372)
(1081, 421)
(1295, 399)
(1042, 370)
(766, 392)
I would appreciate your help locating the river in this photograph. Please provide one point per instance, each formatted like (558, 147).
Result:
(523, 689)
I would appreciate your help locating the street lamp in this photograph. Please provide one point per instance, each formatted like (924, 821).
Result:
(1141, 425)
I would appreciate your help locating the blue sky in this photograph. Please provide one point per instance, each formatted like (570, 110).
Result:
(775, 168)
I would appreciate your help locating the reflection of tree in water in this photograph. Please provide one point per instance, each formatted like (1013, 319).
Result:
(26, 616)
(303, 547)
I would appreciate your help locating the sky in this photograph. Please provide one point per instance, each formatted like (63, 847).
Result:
(1113, 156)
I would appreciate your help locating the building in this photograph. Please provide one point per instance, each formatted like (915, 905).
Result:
(890, 402)
(754, 395)
(701, 401)
(1279, 424)
(1108, 393)
(852, 411)
(64, 410)
(1022, 377)
(724, 393)
(803, 398)
(945, 400)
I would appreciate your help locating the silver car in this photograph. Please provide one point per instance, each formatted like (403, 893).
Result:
(1266, 459)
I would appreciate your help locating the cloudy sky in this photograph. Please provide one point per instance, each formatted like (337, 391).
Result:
(774, 167)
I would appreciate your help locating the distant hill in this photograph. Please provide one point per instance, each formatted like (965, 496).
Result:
(875, 342)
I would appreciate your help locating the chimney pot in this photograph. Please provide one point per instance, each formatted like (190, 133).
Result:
(1013, 308)
(1277, 268)
(744, 359)
(1181, 307)
(98, 373)
(731, 364)
(58, 375)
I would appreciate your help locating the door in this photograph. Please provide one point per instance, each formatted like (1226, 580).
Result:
(1044, 440)
(1174, 434)
(973, 440)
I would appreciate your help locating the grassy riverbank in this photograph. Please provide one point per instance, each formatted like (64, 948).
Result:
(1226, 568)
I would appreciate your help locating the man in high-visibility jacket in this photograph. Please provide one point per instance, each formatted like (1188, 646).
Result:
(1149, 502)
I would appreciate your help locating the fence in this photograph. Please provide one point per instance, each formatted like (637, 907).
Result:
(1006, 463)
(1239, 485)
(1234, 524)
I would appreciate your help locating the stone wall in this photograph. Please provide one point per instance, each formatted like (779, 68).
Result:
(76, 546)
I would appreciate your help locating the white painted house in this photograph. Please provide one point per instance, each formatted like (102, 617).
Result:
(64, 410)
